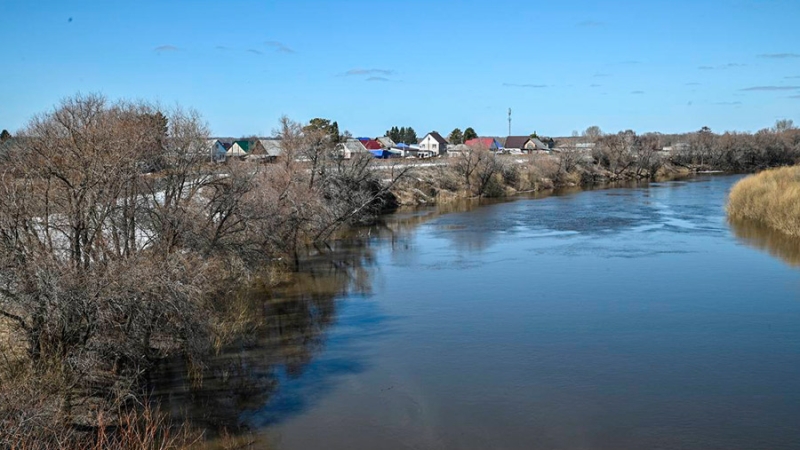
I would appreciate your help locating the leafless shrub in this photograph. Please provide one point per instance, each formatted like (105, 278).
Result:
(119, 244)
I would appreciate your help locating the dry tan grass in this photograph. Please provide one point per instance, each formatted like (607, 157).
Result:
(771, 197)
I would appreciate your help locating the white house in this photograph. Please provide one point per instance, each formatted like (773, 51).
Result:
(218, 148)
(433, 144)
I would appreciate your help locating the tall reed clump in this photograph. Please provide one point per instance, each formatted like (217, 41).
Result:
(771, 197)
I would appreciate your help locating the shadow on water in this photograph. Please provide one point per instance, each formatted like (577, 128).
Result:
(277, 369)
(764, 238)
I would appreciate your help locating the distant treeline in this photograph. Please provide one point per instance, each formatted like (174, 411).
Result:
(703, 149)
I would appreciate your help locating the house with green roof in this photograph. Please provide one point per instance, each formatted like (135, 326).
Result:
(246, 147)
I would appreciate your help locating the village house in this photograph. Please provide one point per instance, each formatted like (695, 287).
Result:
(272, 148)
(371, 144)
(349, 148)
(386, 142)
(218, 148)
(246, 147)
(488, 143)
(433, 144)
(525, 144)
(457, 149)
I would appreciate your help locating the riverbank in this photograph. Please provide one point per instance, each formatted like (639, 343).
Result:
(771, 198)
(505, 176)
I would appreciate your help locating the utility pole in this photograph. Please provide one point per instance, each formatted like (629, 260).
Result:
(509, 121)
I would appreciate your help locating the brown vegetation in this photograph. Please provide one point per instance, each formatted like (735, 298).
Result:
(120, 245)
(771, 197)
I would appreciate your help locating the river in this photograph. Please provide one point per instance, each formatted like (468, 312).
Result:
(628, 318)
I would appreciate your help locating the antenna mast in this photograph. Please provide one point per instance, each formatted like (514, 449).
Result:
(509, 121)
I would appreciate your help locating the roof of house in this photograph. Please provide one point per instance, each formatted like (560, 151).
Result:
(438, 137)
(372, 144)
(244, 145)
(226, 142)
(516, 141)
(354, 145)
(386, 141)
(272, 147)
(539, 144)
(484, 141)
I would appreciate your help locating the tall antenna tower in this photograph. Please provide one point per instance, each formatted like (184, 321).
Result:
(509, 121)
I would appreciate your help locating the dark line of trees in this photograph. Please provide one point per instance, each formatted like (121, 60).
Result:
(405, 135)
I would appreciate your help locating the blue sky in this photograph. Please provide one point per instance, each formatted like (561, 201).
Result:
(667, 66)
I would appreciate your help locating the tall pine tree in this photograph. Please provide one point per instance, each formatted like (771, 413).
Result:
(469, 133)
(456, 137)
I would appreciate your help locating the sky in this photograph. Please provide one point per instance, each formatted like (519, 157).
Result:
(561, 66)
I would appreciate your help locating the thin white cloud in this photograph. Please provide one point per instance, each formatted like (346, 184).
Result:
(771, 88)
(534, 86)
(358, 72)
(166, 48)
(279, 47)
(779, 55)
(723, 66)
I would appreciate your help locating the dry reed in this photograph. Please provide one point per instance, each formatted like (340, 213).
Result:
(771, 197)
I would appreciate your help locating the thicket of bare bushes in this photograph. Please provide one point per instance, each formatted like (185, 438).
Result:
(120, 243)
(741, 152)
(702, 150)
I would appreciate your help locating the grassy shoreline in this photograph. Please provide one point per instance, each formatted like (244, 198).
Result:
(771, 197)
(513, 175)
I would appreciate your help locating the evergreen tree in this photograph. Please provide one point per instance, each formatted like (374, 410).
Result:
(402, 135)
(456, 137)
(325, 125)
(5, 135)
(410, 136)
(469, 133)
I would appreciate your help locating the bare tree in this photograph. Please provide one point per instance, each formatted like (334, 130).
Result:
(784, 125)
(467, 162)
(593, 133)
(646, 155)
(613, 152)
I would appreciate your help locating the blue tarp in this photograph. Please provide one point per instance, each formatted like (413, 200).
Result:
(383, 154)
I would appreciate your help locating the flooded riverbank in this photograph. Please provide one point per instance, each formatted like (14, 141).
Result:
(616, 318)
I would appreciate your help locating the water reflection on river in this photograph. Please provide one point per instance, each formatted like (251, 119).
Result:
(608, 319)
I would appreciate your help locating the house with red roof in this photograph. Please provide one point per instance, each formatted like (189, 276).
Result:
(373, 144)
(370, 144)
(488, 143)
